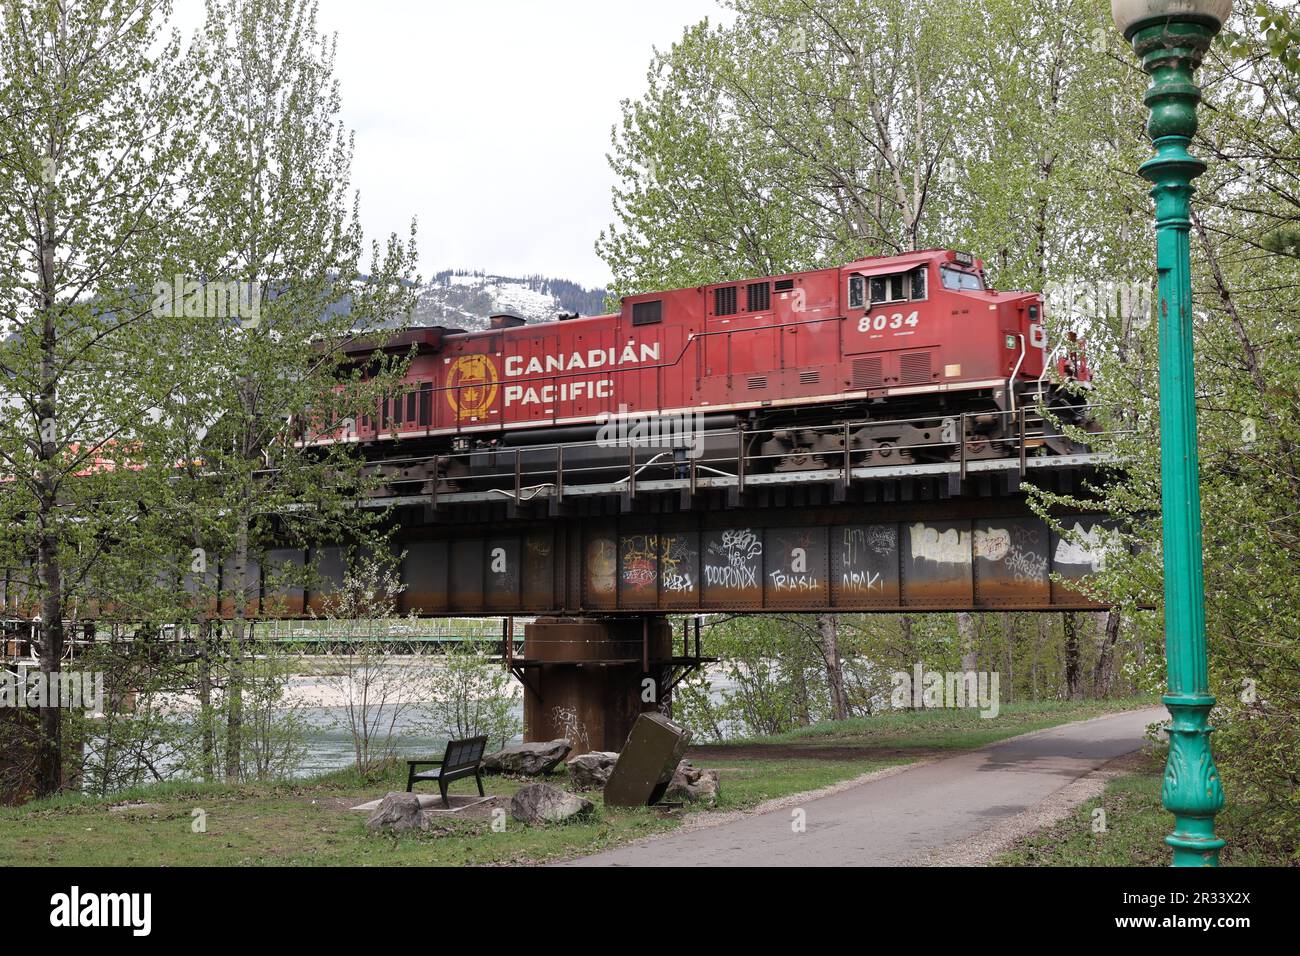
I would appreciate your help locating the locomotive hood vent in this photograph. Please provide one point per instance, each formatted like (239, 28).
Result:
(505, 321)
(724, 301)
(868, 373)
(914, 368)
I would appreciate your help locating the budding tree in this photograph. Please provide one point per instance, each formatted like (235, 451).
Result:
(282, 226)
(98, 129)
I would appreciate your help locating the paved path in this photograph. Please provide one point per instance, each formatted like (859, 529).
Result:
(891, 820)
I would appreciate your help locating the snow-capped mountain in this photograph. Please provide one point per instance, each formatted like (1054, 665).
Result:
(464, 299)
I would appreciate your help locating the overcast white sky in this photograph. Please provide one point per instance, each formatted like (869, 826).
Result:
(490, 120)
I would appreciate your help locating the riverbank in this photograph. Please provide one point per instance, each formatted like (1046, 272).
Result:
(308, 822)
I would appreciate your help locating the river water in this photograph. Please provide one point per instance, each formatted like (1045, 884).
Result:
(329, 742)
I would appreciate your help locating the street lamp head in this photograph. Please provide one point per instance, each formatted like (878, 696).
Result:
(1133, 15)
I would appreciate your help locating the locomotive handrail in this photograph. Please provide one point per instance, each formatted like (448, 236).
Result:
(740, 462)
(513, 450)
(632, 475)
(1011, 381)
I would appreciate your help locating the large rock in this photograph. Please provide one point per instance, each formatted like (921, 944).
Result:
(692, 784)
(591, 771)
(542, 803)
(531, 760)
(398, 812)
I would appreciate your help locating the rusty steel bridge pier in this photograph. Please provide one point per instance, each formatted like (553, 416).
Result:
(587, 679)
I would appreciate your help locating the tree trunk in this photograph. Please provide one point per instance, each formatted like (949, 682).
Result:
(1073, 668)
(50, 755)
(1009, 637)
(1103, 672)
(908, 639)
(209, 741)
(828, 629)
(966, 638)
(1043, 626)
(235, 682)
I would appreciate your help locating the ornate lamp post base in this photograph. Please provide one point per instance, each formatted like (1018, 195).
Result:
(1171, 37)
(1191, 790)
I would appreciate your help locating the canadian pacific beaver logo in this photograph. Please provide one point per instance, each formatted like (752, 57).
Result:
(472, 385)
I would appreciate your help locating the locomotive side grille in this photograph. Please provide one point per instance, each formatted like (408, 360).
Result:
(758, 381)
(914, 368)
(867, 373)
(810, 377)
(758, 297)
(724, 301)
(647, 313)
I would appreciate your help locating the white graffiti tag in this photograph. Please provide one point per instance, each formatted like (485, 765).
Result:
(1089, 547)
(943, 547)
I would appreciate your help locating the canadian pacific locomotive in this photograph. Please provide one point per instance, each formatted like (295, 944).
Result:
(913, 354)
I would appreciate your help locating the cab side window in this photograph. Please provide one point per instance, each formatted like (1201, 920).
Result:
(900, 287)
(887, 288)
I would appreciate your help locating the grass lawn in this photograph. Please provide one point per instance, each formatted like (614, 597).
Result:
(942, 729)
(306, 822)
(1136, 825)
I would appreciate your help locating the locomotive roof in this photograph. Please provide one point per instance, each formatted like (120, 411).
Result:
(429, 338)
(879, 265)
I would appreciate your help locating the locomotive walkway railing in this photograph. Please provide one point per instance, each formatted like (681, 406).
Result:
(1018, 442)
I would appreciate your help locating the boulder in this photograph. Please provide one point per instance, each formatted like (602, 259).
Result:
(591, 771)
(530, 760)
(692, 784)
(398, 812)
(542, 803)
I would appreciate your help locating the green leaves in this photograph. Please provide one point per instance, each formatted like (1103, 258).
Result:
(1284, 240)
(1281, 31)
(800, 137)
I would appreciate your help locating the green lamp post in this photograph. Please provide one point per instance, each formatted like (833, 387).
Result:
(1171, 37)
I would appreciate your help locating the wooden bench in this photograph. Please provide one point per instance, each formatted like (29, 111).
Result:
(461, 759)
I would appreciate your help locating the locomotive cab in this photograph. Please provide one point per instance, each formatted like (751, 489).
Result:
(938, 353)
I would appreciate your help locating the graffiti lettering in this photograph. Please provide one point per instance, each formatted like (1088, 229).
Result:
(942, 547)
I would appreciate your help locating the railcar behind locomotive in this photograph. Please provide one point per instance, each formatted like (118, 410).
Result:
(906, 350)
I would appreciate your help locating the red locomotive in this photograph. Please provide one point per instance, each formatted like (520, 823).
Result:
(899, 346)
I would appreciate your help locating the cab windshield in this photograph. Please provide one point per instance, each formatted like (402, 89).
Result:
(961, 280)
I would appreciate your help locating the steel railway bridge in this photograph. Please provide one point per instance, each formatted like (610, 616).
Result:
(600, 555)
